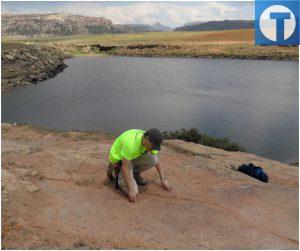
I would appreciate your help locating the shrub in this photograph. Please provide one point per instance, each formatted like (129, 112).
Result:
(193, 135)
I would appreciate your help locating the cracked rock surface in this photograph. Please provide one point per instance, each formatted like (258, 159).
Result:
(55, 195)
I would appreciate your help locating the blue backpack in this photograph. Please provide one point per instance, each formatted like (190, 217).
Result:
(254, 171)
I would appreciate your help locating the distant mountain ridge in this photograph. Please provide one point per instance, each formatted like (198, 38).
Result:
(145, 27)
(61, 24)
(193, 23)
(218, 25)
(160, 27)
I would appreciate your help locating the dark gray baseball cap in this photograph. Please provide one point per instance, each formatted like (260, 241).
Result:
(155, 137)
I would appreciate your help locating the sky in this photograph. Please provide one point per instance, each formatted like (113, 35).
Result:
(173, 14)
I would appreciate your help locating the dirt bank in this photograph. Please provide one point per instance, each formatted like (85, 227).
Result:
(55, 195)
(212, 50)
(24, 64)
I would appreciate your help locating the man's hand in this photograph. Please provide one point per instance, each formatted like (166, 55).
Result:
(132, 196)
(166, 185)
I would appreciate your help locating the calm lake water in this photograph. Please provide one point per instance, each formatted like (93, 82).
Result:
(255, 103)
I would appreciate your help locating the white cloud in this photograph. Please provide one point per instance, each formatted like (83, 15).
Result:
(173, 14)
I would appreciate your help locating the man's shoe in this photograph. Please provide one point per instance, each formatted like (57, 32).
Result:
(110, 172)
(139, 179)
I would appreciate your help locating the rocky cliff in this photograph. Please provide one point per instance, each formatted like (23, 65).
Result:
(55, 25)
(61, 24)
(23, 64)
(55, 195)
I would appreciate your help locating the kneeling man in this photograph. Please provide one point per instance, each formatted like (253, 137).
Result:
(133, 152)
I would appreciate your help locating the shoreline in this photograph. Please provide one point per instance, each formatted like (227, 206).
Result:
(103, 133)
(174, 57)
(255, 55)
(190, 57)
(222, 51)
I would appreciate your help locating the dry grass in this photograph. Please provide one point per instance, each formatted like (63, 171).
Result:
(241, 36)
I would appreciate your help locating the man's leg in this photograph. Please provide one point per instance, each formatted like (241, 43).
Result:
(110, 171)
(141, 164)
(122, 183)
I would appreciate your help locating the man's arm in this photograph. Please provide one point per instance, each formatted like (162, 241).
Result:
(128, 180)
(163, 178)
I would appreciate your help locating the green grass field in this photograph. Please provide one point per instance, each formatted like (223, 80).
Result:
(243, 36)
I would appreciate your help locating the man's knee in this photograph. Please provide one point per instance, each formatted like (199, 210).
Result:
(124, 187)
(148, 160)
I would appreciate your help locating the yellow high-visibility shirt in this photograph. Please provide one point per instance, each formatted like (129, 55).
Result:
(128, 146)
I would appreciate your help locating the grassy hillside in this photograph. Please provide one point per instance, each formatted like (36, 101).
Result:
(218, 25)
